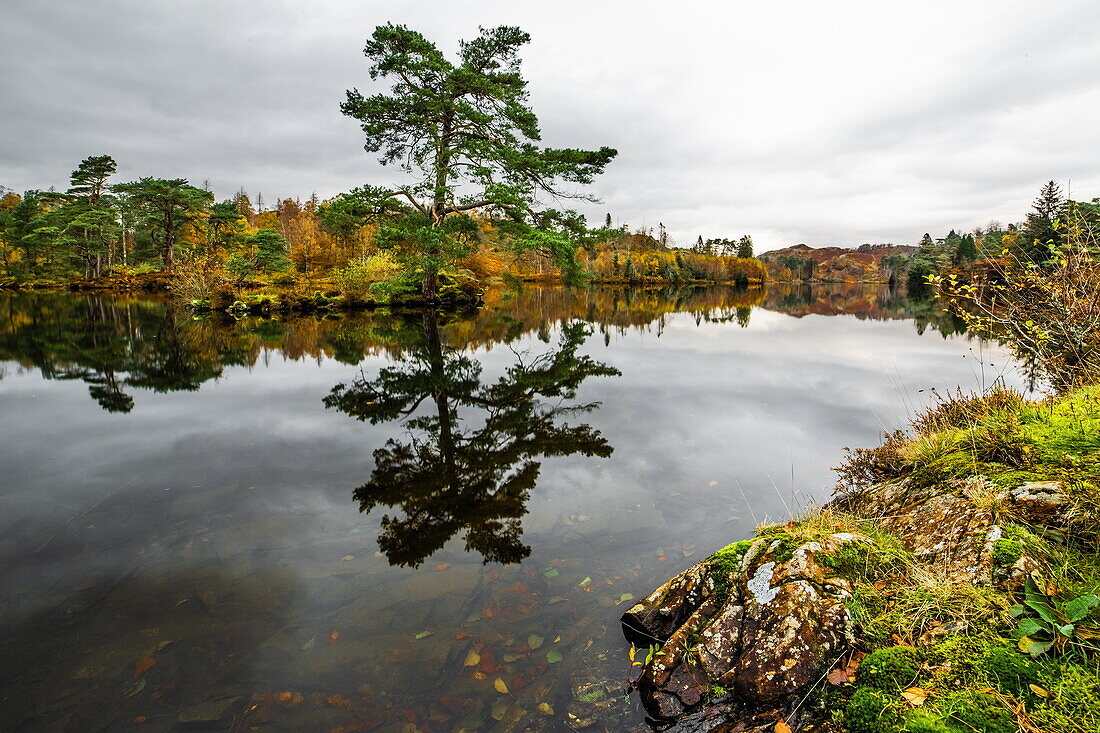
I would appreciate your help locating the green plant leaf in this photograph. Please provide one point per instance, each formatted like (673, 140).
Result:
(1028, 626)
(1038, 648)
(1079, 608)
(1045, 611)
(553, 657)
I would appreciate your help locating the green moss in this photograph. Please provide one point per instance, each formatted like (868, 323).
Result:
(920, 721)
(1074, 690)
(1009, 670)
(724, 563)
(1068, 427)
(890, 669)
(976, 711)
(1012, 479)
(1006, 552)
(870, 711)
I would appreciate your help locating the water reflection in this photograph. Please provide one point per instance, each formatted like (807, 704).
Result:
(447, 478)
(116, 345)
(211, 531)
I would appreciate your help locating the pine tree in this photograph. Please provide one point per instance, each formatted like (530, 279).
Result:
(1045, 227)
(966, 252)
(607, 221)
(744, 247)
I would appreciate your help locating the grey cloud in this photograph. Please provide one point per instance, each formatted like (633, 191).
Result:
(797, 123)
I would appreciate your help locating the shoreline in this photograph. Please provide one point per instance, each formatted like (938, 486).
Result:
(890, 609)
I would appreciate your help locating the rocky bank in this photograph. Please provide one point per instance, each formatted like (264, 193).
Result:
(769, 633)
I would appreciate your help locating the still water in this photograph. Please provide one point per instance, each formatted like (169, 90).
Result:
(409, 523)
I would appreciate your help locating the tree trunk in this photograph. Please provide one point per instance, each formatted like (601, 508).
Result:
(429, 285)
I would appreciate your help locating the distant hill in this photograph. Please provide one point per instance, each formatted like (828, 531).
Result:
(836, 264)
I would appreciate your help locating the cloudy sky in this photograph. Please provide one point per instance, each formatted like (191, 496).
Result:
(826, 123)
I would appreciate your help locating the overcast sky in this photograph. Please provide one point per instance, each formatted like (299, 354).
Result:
(825, 123)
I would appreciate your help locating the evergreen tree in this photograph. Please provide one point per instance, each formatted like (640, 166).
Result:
(269, 251)
(166, 205)
(1045, 230)
(467, 124)
(744, 247)
(966, 251)
(607, 221)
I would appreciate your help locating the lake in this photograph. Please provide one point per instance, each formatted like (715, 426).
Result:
(410, 522)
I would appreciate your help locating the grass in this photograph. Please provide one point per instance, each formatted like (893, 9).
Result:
(962, 639)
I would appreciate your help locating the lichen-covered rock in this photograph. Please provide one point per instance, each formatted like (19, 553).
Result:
(760, 630)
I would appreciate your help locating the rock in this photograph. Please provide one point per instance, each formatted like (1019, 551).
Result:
(765, 633)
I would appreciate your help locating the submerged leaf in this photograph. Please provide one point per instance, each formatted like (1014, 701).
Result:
(553, 657)
(472, 659)
(500, 687)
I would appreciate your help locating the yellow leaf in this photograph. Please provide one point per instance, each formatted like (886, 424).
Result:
(915, 696)
(545, 708)
(632, 652)
(500, 687)
(782, 727)
(534, 641)
(1040, 691)
(1024, 643)
(472, 659)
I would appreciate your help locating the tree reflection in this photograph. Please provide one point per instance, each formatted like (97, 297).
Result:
(447, 476)
(110, 345)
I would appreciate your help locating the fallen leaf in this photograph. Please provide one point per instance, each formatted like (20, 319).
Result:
(545, 708)
(424, 634)
(479, 675)
(626, 597)
(346, 558)
(136, 688)
(551, 573)
(459, 636)
(472, 659)
(338, 701)
(500, 709)
(782, 727)
(585, 583)
(1040, 691)
(915, 696)
(333, 638)
(534, 641)
(500, 687)
(553, 657)
(308, 645)
(143, 666)
(839, 677)
(509, 658)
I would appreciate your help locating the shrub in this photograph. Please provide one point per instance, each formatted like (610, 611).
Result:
(360, 275)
